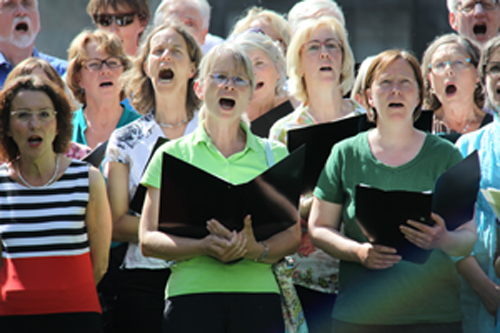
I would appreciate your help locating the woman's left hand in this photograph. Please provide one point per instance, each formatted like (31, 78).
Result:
(425, 236)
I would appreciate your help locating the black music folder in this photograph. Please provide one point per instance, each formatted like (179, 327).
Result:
(320, 139)
(96, 156)
(263, 124)
(380, 213)
(190, 197)
(140, 193)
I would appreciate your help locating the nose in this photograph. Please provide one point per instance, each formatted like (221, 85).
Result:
(478, 9)
(167, 55)
(21, 9)
(324, 52)
(34, 122)
(114, 27)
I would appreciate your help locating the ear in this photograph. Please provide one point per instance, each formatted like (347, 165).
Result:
(431, 87)
(192, 71)
(369, 97)
(452, 19)
(145, 67)
(204, 35)
(198, 89)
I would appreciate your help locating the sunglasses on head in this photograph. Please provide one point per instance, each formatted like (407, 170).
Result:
(121, 20)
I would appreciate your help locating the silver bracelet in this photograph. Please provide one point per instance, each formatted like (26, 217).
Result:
(264, 254)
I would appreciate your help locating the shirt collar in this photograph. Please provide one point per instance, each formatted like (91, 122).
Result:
(201, 136)
(36, 54)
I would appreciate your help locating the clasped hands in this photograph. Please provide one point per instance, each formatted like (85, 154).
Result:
(424, 236)
(228, 246)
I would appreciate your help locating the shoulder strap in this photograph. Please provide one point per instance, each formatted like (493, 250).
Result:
(269, 153)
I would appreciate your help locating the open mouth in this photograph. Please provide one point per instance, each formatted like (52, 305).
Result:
(479, 29)
(106, 84)
(450, 90)
(259, 85)
(325, 68)
(396, 105)
(166, 74)
(226, 103)
(23, 27)
(34, 139)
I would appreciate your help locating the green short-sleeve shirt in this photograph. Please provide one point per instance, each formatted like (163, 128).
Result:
(406, 293)
(204, 274)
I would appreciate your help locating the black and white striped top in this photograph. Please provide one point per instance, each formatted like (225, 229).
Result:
(46, 221)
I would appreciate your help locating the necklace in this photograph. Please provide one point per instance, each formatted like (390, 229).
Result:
(56, 171)
(466, 127)
(174, 125)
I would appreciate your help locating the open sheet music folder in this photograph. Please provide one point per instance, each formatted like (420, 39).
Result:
(190, 197)
(380, 213)
(319, 140)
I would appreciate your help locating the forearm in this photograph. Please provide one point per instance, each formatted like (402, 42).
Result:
(168, 247)
(486, 289)
(335, 244)
(126, 229)
(279, 245)
(460, 242)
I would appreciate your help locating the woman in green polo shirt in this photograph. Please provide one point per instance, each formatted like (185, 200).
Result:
(379, 292)
(204, 294)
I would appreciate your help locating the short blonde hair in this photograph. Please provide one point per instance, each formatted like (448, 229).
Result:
(77, 54)
(251, 41)
(211, 59)
(431, 102)
(277, 21)
(139, 87)
(297, 84)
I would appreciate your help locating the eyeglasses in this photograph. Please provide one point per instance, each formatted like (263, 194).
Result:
(96, 64)
(314, 47)
(469, 7)
(492, 68)
(219, 79)
(25, 116)
(458, 64)
(121, 20)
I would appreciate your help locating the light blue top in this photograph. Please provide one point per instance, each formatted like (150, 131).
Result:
(487, 142)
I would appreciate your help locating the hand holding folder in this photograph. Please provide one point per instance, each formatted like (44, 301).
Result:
(380, 213)
(191, 196)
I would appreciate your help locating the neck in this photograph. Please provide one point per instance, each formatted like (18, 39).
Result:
(390, 136)
(328, 107)
(459, 117)
(229, 138)
(255, 109)
(38, 171)
(170, 110)
(14, 54)
(103, 113)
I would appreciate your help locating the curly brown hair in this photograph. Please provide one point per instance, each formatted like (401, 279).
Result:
(9, 150)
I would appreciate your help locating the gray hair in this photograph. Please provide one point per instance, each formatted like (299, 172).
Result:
(203, 7)
(306, 9)
(251, 41)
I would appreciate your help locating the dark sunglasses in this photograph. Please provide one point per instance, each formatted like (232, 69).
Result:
(121, 19)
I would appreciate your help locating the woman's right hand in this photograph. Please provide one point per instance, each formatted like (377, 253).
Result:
(225, 250)
(377, 256)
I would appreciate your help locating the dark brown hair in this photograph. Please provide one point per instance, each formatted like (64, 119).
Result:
(8, 147)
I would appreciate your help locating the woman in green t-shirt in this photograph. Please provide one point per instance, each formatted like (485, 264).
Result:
(223, 282)
(378, 291)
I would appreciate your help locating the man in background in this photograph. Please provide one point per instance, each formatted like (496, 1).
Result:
(19, 26)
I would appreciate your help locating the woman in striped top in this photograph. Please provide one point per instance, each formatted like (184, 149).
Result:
(55, 221)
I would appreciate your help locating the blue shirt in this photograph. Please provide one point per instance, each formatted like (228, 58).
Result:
(487, 142)
(80, 125)
(6, 67)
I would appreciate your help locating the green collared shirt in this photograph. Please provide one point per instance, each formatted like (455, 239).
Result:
(204, 274)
